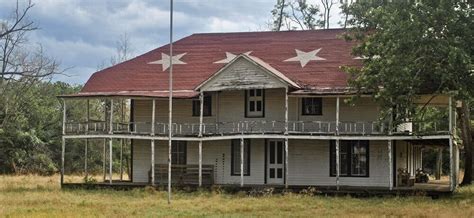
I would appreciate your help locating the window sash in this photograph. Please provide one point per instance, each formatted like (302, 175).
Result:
(206, 109)
(254, 105)
(353, 156)
(178, 152)
(236, 157)
(311, 106)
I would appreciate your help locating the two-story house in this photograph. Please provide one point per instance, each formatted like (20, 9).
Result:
(256, 109)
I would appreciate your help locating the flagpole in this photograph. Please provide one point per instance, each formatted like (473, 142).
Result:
(170, 106)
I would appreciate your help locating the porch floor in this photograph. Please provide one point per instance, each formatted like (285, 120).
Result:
(432, 188)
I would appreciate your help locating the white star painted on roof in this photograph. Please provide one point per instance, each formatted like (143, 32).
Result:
(165, 60)
(229, 57)
(305, 57)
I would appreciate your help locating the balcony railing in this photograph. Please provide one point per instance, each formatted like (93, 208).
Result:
(257, 127)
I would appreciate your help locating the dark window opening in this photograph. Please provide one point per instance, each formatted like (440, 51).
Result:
(206, 109)
(353, 158)
(235, 146)
(178, 152)
(312, 106)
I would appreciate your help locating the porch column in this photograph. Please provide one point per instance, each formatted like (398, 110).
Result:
(452, 183)
(104, 157)
(241, 162)
(111, 131)
(63, 144)
(201, 113)
(439, 163)
(389, 151)
(87, 140)
(337, 145)
(152, 132)
(110, 160)
(122, 116)
(286, 138)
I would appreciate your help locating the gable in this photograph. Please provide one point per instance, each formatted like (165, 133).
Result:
(243, 73)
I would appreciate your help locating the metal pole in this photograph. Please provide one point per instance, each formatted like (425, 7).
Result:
(121, 140)
(338, 159)
(104, 155)
(201, 113)
(170, 106)
(389, 148)
(286, 138)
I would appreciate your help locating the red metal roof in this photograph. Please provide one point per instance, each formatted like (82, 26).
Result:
(202, 50)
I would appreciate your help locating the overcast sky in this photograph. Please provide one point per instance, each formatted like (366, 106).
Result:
(82, 34)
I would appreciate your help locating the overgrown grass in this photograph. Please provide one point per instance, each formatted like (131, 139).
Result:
(41, 196)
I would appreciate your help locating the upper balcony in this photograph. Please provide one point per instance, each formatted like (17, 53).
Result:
(257, 127)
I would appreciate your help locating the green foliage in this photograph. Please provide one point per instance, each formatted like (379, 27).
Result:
(412, 48)
(31, 131)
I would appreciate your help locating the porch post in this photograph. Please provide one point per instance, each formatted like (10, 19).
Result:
(152, 162)
(452, 183)
(241, 162)
(337, 145)
(286, 138)
(201, 113)
(122, 116)
(152, 132)
(63, 145)
(111, 130)
(104, 155)
(110, 160)
(389, 151)
(87, 140)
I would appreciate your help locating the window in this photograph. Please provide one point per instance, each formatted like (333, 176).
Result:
(206, 109)
(312, 106)
(178, 152)
(254, 103)
(236, 157)
(353, 156)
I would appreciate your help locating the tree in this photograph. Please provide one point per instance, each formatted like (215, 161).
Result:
(327, 5)
(412, 48)
(123, 49)
(294, 15)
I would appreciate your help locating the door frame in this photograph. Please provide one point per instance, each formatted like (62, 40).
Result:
(266, 173)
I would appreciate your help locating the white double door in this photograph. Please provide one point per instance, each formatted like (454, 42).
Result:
(275, 161)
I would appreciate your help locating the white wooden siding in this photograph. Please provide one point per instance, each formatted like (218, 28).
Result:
(308, 162)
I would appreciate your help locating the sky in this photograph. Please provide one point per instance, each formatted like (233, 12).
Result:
(83, 34)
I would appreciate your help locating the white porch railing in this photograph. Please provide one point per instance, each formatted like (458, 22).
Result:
(254, 127)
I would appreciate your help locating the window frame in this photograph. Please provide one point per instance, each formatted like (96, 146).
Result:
(196, 106)
(350, 144)
(247, 103)
(236, 143)
(304, 100)
(185, 152)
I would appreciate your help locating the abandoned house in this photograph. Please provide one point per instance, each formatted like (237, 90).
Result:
(254, 109)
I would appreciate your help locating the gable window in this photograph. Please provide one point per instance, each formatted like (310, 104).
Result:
(353, 156)
(254, 103)
(178, 152)
(312, 106)
(206, 109)
(235, 156)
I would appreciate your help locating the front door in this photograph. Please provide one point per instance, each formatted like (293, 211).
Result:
(275, 164)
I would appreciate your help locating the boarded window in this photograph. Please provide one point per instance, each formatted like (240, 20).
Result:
(312, 106)
(353, 156)
(236, 157)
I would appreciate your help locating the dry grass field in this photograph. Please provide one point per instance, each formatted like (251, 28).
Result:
(37, 196)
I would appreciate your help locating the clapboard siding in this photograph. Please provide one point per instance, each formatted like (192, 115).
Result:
(231, 107)
(242, 74)
(308, 162)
